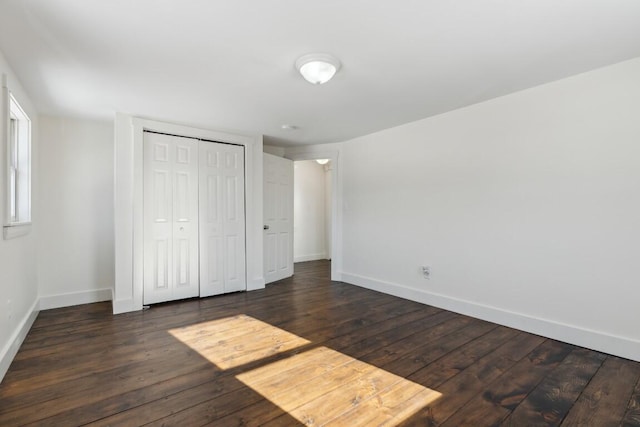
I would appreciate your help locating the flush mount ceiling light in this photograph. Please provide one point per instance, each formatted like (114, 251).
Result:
(322, 161)
(317, 68)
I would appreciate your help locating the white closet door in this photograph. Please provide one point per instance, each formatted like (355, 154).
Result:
(222, 219)
(170, 188)
(278, 218)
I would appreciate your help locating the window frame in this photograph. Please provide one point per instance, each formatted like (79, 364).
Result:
(16, 143)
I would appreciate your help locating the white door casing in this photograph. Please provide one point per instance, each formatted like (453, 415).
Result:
(129, 203)
(222, 219)
(170, 187)
(278, 218)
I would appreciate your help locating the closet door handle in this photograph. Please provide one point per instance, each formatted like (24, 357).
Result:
(266, 227)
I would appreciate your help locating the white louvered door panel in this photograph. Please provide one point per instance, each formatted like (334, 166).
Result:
(170, 188)
(222, 219)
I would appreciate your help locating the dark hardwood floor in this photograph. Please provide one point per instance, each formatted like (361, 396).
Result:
(306, 351)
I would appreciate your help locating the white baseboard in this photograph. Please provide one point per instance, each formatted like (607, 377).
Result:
(310, 257)
(607, 343)
(11, 348)
(75, 298)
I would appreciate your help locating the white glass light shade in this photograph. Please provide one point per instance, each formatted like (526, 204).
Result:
(322, 161)
(317, 68)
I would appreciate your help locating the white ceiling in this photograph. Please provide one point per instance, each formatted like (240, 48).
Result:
(230, 64)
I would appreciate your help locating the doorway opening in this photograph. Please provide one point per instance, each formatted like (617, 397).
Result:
(313, 210)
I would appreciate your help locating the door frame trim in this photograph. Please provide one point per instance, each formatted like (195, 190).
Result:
(128, 213)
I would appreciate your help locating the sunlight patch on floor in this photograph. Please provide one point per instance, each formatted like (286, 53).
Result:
(323, 386)
(319, 386)
(236, 341)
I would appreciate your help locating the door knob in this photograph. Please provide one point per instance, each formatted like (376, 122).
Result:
(266, 227)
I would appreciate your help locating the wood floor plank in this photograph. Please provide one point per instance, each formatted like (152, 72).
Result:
(163, 312)
(211, 410)
(412, 343)
(47, 319)
(632, 416)
(504, 394)
(604, 401)
(147, 322)
(189, 397)
(67, 367)
(340, 399)
(300, 396)
(305, 350)
(551, 400)
(120, 404)
(449, 365)
(361, 346)
(261, 412)
(433, 349)
(203, 411)
(138, 411)
(390, 407)
(473, 381)
(61, 370)
(88, 389)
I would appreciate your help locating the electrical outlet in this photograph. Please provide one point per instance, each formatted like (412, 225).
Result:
(426, 272)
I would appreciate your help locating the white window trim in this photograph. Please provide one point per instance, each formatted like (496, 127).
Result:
(13, 229)
(16, 230)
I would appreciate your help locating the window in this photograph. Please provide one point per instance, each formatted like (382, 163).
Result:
(18, 166)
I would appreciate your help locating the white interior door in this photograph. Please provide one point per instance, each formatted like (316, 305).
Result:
(170, 188)
(222, 219)
(278, 218)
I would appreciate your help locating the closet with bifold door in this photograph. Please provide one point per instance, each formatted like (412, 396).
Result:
(194, 218)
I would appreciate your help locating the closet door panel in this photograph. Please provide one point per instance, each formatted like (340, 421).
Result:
(185, 218)
(234, 219)
(158, 219)
(211, 236)
(170, 180)
(222, 219)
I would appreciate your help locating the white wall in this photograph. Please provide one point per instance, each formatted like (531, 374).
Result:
(75, 242)
(276, 151)
(18, 281)
(309, 212)
(526, 207)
